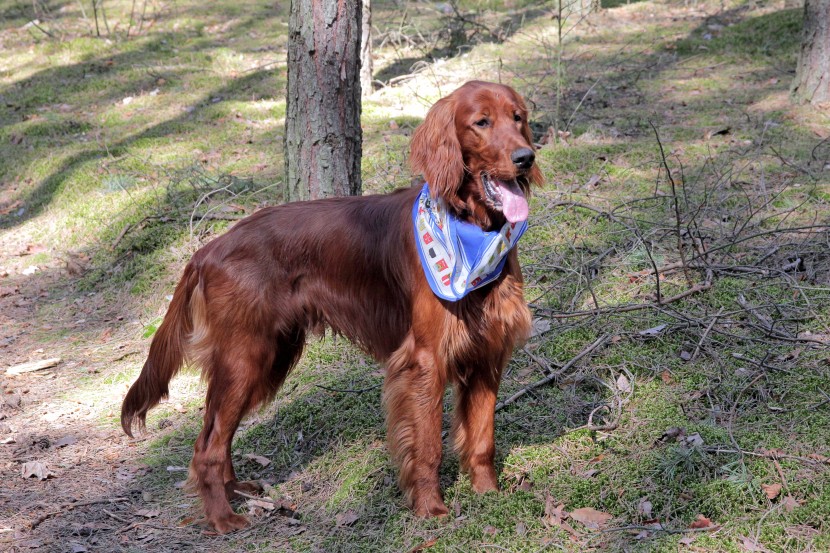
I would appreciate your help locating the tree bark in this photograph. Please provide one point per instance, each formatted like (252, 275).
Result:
(322, 121)
(812, 75)
(366, 66)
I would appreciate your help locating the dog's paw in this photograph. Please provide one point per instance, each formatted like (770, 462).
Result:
(430, 506)
(229, 523)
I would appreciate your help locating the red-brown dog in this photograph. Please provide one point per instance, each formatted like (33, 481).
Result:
(248, 299)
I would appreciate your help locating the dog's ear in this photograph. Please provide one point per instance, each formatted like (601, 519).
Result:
(435, 151)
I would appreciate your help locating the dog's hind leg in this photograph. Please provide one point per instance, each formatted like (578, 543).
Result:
(241, 377)
(289, 350)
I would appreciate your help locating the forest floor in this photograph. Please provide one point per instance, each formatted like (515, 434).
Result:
(677, 265)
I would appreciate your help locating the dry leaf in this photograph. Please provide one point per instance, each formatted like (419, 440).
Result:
(591, 518)
(789, 503)
(592, 182)
(263, 461)
(653, 331)
(694, 440)
(665, 376)
(555, 516)
(425, 545)
(36, 469)
(772, 490)
(623, 384)
(346, 518)
(644, 508)
(539, 326)
(701, 522)
(490, 530)
(671, 434)
(749, 544)
(65, 441)
(148, 513)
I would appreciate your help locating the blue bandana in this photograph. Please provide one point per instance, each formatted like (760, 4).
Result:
(457, 256)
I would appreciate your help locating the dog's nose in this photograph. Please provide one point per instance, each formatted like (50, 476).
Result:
(523, 158)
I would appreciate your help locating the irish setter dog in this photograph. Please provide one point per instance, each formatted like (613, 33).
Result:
(248, 299)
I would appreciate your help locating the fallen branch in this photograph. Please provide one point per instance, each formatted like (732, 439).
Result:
(656, 529)
(599, 342)
(764, 454)
(32, 366)
(702, 287)
(69, 506)
(765, 321)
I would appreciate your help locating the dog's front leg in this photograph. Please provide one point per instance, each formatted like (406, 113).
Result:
(413, 394)
(473, 427)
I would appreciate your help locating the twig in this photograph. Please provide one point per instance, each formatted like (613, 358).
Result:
(705, 334)
(251, 496)
(768, 324)
(781, 475)
(631, 307)
(69, 506)
(677, 217)
(34, 24)
(349, 391)
(116, 517)
(766, 455)
(542, 362)
(148, 524)
(599, 342)
(659, 529)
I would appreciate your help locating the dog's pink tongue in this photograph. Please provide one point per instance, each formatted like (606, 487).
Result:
(513, 202)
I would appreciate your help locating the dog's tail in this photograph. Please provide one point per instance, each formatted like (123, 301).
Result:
(167, 353)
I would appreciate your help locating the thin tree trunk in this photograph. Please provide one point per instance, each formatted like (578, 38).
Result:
(812, 75)
(322, 123)
(366, 66)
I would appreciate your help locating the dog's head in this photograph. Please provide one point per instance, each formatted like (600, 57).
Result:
(475, 150)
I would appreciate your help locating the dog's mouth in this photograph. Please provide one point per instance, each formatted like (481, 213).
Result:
(507, 197)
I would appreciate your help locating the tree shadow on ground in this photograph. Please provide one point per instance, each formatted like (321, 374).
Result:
(458, 36)
(88, 86)
(42, 194)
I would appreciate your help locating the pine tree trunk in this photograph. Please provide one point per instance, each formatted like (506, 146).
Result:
(322, 121)
(812, 76)
(366, 66)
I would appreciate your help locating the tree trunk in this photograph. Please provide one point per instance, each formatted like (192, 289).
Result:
(366, 67)
(812, 75)
(322, 120)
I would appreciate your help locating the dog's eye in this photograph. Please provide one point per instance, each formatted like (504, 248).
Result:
(482, 123)
(517, 118)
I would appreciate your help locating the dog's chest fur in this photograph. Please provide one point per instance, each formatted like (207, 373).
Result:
(495, 320)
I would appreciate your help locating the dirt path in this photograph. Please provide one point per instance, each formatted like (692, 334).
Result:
(61, 426)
